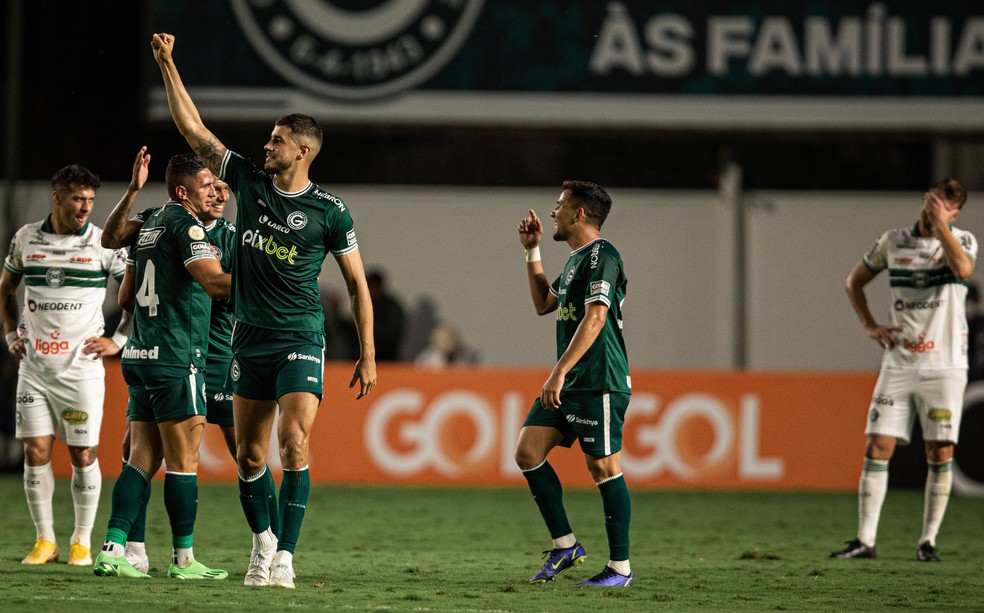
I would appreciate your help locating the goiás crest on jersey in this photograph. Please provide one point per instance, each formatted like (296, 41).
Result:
(356, 49)
(297, 220)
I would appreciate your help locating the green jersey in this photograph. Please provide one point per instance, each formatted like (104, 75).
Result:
(222, 235)
(594, 273)
(172, 311)
(284, 238)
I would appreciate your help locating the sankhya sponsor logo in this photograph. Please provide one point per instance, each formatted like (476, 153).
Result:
(574, 419)
(344, 51)
(303, 356)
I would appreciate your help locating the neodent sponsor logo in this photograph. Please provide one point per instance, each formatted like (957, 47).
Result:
(266, 244)
(34, 306)
(917, 305)
(132, 353)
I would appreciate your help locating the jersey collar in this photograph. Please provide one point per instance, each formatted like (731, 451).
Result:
(586, 245)
(291, 194)
(50, 229)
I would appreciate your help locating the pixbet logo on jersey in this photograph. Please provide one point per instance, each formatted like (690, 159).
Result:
(352, 50)
(266, 244)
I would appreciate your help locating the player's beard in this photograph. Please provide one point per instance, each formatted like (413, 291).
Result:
(276, 166)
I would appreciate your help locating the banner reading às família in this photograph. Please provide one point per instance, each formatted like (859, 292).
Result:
(836, 63)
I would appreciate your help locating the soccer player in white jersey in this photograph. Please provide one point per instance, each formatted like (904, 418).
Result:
(924, 365)
(59, 342)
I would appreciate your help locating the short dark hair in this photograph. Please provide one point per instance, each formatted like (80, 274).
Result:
(592, 197)
(179, 168)
(74, 174)
(302, 125)
(952, 190)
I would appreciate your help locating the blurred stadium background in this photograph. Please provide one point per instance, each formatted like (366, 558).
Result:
(754, 150)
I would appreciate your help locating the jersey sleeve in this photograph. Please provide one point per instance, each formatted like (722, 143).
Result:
(192, 240)
(145, 214)
(876, 258)
(340, 237)
(969, 244)
(14, 261)
(235, 169)
(603, 278)
(114, 260)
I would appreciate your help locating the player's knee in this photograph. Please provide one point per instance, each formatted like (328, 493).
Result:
(527, 458)
(36, 455)
(82, 456)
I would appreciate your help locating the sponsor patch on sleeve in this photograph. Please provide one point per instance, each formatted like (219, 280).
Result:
(196, 233)
(350, 237)
(201, 249)
(600, 288)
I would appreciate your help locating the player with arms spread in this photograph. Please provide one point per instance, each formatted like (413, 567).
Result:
(287, 227)
(924, 362)
(587, 393)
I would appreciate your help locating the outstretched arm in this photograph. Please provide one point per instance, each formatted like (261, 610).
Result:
(119, 232)
(183, 109)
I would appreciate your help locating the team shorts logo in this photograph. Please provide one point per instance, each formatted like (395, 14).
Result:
(234, 371)
(940, 415)
(336, 49)
(55, 277)
(297, 220)
(74, 416)
(293, 356)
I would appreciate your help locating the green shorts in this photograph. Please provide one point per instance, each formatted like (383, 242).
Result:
(217, 395)
(593, 418)
(163, 393)
(266, 363)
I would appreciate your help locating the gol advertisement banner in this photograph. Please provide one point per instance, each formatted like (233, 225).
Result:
(691, 429)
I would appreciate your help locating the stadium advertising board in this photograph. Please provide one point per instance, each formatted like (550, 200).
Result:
(714, 429)
(836, 64)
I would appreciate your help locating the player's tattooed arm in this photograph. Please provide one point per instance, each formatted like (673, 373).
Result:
(211, 152)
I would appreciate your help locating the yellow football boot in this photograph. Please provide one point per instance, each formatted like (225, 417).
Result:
(79, 555)
(43, 552)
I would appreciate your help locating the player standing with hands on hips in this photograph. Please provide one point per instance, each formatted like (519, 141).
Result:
(587, 393)
(61, 380)
(924, 363)
(287, 227)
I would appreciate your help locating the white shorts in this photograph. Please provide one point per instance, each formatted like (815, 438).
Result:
(935, 395)
(69, 404)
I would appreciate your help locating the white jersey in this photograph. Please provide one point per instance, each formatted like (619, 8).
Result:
(65, 278)
(928, 301)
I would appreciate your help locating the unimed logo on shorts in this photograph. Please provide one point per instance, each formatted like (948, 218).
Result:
(357, 50)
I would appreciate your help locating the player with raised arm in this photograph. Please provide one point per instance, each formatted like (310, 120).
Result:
(287, 226)
(175, 277)
(587, 393)
(924, 360)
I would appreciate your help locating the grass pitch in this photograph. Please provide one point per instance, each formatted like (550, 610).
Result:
(433, 549)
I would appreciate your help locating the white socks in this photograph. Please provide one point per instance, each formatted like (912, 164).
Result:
(86, 486)
(39, 485)
(871, 495)
(939, 480)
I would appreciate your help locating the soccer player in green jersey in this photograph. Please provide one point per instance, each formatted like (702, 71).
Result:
(222, 236)
(175, 276)
(287, 226)
(587, 393)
